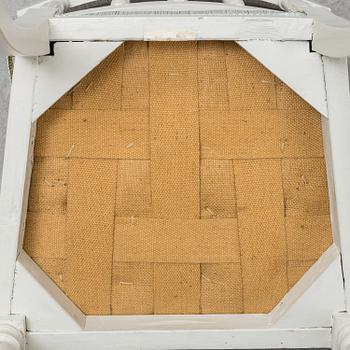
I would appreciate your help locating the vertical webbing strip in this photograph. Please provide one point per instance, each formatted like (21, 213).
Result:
(91, 200)
(175, 163)
(262, 233)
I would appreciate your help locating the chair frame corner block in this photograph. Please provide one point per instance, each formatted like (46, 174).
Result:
(35, 313)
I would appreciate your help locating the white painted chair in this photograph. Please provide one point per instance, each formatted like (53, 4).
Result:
(33, 311)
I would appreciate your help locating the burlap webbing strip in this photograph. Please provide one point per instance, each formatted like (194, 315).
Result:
(260, 134)
(132, 283)
(90, 221)
(54, 268)
(218, 195)
(175, 174)
(52, 136)
(48, 189)
(132, 288)
(93, 134)
(305, 187)
(287, 99)
(133, 177)
(303, 232)
(175, 164)
(297, 269)
(221, 288)
(250, 85)
(176, 240)
(135, 87)
(101, 88)
(46, 235)
(177, 288)
(173, 76)
(261, 232)
(212, 76)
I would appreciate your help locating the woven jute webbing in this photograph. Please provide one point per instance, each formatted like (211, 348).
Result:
(178, 178)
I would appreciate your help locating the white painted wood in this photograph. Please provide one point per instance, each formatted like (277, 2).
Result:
(60, 6)
(177, 322)
(341, 331)
(180, 28)
(77, 2)
(70, 63)
(295, 65)
(45, 306)
(314, 299)
(12, 332)
(15, 173)
(25, 195)
(237, 6)
(17, 321)
(331, 34)
(330, 182)
(186, 339)
(122, 5)
(27, 36)
(338, 95)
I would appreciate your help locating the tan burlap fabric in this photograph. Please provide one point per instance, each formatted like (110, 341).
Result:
(178, 177)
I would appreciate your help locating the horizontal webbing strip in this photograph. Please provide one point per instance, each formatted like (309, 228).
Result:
(176, 240)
